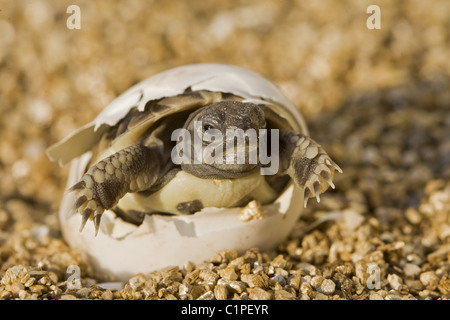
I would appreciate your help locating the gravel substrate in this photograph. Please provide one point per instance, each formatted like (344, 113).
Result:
(377, 100)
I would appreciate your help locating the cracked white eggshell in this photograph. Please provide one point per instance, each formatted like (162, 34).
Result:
(122, 249)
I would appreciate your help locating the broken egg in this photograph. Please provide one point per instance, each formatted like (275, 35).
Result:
(121, 248)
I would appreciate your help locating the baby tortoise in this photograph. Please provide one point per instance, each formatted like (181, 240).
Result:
(133, 170)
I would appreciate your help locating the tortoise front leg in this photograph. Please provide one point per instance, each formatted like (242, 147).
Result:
(306, 163)
(132, 169)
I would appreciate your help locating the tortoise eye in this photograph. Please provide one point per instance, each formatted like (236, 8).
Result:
(207, 127)
(209, 123)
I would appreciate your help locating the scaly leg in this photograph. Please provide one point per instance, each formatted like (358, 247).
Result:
(132, 169)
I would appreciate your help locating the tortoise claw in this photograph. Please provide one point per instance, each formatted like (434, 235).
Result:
(85, 216)
(333, 164)
(97, 219)
(86, 203)
(327, 178)
(317, 191)
(306, 194)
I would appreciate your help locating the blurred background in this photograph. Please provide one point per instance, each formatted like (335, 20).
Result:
(378, 100)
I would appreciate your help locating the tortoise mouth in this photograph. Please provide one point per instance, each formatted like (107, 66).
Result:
(234, 159)
(220, 171)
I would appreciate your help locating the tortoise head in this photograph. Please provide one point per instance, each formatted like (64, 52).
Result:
(225, 139)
